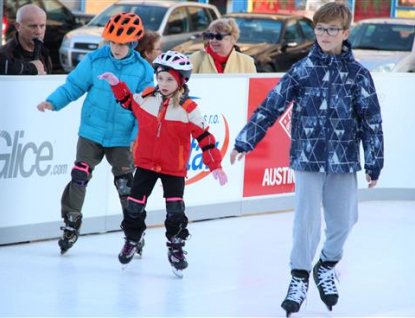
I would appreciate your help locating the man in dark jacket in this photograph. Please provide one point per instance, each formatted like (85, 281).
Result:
(30, 26)
(15, 67)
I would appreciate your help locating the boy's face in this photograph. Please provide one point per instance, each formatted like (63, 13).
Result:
(119, 51)
(330, 36)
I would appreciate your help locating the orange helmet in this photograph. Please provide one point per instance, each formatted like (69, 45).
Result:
(124, 28)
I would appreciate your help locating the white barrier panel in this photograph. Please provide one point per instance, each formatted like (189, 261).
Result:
(37, 151)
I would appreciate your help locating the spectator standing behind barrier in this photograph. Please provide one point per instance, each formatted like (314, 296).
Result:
(10, 66)
(149, 46)
(335, 107)
(31, 27)
(221, 54)
(105, 130)
(168, 119)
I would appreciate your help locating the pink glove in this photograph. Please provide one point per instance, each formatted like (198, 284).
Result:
(110, 78)
(221, 175)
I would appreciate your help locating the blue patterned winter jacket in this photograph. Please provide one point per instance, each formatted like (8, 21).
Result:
(335, 106)
(103, 120)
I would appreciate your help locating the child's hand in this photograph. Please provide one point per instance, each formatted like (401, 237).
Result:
(371, 183)
(44, 105)
(221, 175)
(236, 155)
(110, 78)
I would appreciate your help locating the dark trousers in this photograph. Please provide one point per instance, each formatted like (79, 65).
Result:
(143, 184)
(91, 153)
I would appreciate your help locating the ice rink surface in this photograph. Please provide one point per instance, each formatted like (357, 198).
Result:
(238, 267)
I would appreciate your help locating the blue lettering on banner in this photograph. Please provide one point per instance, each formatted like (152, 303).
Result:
(195, 162)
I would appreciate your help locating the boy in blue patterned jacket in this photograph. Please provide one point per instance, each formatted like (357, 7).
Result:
(335, 107)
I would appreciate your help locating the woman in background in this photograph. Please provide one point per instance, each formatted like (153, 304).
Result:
(221, 55)
(149, 46)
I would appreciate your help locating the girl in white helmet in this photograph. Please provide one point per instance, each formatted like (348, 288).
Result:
(167, 121)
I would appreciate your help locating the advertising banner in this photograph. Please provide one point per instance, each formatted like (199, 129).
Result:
(37, 153)
(267, 167)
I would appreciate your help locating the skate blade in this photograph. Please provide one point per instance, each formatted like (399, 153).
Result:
(63, 251)
(177, 272)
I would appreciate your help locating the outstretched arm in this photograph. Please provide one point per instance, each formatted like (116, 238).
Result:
(121, 91)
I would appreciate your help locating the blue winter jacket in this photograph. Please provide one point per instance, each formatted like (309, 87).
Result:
(335, 106)
(103, 120)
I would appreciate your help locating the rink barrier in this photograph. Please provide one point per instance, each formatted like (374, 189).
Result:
(37, 152)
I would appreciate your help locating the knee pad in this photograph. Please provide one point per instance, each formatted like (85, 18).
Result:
(135, 208)
(81, 173)
(176, 220)
(174, 207)
(123, 184)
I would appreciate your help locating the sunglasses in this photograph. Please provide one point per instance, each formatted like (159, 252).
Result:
(217, 36)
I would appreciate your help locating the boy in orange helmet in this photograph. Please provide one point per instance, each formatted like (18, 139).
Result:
(105, 130)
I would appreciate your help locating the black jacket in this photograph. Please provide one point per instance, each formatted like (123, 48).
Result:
(13, 50)
(15, 67)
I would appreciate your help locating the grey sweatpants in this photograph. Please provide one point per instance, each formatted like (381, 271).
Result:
(337, 193)
(120, 159)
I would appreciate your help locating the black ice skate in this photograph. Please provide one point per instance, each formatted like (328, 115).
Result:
(176, 256)
(129, 249)
(140, 245)
(324, 274)
(297, 291)
(70, 232)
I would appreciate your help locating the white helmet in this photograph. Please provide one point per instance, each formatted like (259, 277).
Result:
(176, 61)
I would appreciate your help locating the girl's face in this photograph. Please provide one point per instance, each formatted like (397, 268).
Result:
(330, 36)
(151, 56)
(119, 51)
(167, 84)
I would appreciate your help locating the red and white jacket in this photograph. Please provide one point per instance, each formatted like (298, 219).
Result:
(164, 132)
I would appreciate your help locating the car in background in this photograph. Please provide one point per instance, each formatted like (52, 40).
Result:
(275, 41)
(60, 21)
(176, 21)
(384, 44)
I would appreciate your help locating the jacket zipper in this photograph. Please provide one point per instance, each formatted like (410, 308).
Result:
(162, 114)
(326, 168)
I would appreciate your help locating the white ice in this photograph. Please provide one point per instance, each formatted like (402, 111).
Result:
(238, 267)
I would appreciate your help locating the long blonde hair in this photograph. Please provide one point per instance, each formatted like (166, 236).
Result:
(177, 96)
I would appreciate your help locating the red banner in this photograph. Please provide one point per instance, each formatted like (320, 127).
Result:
(372, 9)
(267, 167)
(273, 6)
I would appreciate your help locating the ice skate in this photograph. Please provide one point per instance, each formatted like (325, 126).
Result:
(70, 231)
(68, 239)
(129, 249)
(140, 246)
(297, 292)
(176, 256)
(324, 274)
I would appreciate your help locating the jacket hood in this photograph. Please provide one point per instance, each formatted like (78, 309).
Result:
(345, 56)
